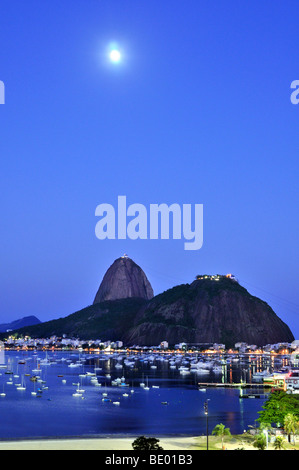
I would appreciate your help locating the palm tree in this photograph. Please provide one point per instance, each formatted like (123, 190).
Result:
(291, 425)
(221, 431)
(279, 443)
(265, 428)
(260, 441)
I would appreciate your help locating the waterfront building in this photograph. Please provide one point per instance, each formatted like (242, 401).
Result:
(292, 382)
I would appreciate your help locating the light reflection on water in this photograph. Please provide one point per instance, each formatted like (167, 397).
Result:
(173, 407)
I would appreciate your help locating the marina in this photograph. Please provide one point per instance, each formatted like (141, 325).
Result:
(57, 393)
(232, 385)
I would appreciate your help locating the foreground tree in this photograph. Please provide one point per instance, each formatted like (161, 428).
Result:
(291, 426)
(221, 431)
(279, 443)
(146, 443)
(277, 406)
(260, 441)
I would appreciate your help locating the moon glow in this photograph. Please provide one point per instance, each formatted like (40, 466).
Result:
(115, 56)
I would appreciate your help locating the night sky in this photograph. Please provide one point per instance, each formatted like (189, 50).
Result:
(197, 111)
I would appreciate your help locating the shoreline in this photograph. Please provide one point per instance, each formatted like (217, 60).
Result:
(118, 443)
(107, 443)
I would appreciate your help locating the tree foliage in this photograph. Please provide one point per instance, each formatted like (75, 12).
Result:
(291, 425)
(221, 431)
(146, 443)
(279, 443)
(260, 442)
(277, 406)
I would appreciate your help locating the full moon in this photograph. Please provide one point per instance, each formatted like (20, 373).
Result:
(115, 55)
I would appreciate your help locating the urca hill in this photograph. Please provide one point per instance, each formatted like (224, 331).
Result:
(210, 309)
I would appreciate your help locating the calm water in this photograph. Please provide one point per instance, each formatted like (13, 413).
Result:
(173, 406)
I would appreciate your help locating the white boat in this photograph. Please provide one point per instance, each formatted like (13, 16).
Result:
(34, 392)
(22, 386)
(45, 362)
(217, 369)
(142, 384)
(79, 390)
(202, 365)
(146, 387)
(201, 371)
(184, 370)
(261, 375)
(96, 383)
(129, 363)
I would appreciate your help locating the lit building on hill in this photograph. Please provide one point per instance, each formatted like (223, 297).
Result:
(216, 277)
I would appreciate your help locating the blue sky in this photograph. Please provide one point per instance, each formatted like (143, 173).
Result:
(198, 111)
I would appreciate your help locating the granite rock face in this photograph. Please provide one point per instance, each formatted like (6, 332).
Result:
(124, 279)
(208, 311)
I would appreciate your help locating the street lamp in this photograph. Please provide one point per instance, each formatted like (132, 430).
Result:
(206, 410)
(265, 431)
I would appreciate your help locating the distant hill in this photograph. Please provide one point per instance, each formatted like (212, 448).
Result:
(106, 320)
(14, 325)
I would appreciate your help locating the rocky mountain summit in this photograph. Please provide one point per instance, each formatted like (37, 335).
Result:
(124, 279)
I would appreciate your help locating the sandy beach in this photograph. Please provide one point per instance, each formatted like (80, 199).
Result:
(107, 443)
(113, 443)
